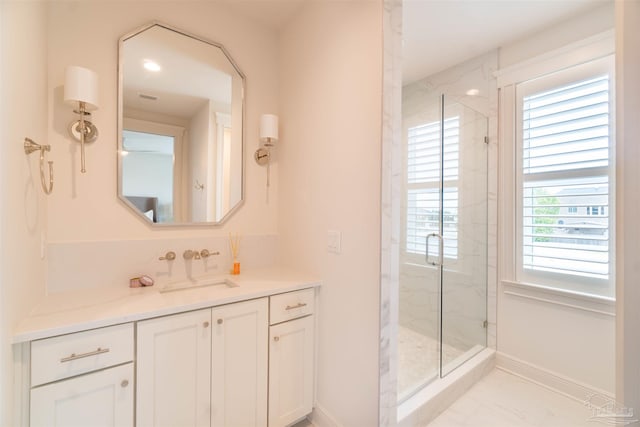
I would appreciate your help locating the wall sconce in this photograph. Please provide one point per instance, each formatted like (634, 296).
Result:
(268, 137)
(81, 87)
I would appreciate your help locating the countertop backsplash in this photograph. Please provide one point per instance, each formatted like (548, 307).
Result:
(100, 264)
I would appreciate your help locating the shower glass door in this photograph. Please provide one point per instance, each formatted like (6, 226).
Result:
(463, 287)
(444, 256)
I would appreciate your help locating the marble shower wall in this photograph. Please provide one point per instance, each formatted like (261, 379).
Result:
(392, 296)
(390, 215)
(465, 279)
(467, 296)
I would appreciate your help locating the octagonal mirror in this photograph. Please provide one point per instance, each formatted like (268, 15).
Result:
(180, 123)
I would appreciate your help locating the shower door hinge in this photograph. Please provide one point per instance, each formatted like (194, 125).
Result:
(486, 139)
(485, 324)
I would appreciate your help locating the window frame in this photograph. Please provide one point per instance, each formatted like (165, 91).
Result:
(564, 76)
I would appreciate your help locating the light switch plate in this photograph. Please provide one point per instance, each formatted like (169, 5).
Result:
(334, 241)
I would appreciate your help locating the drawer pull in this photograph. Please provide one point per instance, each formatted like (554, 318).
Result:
(124, 383)
(80, 356)
(276, 338)
(298, 305)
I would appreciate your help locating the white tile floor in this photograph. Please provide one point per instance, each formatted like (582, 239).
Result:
(504, 400)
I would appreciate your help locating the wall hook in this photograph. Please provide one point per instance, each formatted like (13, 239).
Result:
(30, 147)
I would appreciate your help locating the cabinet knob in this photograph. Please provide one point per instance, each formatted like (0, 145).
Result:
(220, 321)
(205, 324)
(276, 339)
(124, 383)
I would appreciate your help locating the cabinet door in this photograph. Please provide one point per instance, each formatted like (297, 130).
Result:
(290, 371)
(173, 370)
(239, 364)
(100, 399)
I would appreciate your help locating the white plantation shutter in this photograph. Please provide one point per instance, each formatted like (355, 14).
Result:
(424, 156)
(565, 146)
(567, 128)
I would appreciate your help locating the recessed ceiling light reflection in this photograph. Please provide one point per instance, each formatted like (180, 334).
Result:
(150, 65)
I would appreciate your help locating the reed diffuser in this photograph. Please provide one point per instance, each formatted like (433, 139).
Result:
(235, 247)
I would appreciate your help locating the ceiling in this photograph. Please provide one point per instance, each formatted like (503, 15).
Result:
(438, 34)
(272, 13)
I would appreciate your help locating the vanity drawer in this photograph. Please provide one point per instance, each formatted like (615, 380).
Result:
(65, 356)
(291, 305)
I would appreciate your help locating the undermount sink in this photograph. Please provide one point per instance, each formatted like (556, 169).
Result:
(221, 282)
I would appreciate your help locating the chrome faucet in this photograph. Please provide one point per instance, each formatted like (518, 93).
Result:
(205, 253)
(189, 254)
(169, 256)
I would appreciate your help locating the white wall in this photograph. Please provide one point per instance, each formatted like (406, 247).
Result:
(84, 207)
(628, 194)
(23, 113)
(329, 159)
(545, 334)
(578, 28)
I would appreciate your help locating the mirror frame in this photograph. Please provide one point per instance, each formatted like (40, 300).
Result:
(120, 121)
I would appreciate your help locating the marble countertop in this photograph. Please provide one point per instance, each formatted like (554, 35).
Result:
(74, 311)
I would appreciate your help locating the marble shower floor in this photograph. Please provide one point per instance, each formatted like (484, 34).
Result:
(418, 360)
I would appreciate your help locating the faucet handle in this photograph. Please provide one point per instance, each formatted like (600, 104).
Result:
(169, 256)
(205, 253)
(189, 254)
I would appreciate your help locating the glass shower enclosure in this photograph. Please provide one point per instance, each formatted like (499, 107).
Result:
(443, 250)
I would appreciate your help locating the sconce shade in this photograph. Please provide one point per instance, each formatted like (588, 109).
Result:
(81, 85)
(269, 127)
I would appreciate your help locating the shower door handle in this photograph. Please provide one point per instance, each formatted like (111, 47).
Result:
(439, 237)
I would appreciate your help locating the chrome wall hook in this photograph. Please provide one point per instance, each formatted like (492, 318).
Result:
(29, 147)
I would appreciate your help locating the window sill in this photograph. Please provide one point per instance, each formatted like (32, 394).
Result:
(575, 300)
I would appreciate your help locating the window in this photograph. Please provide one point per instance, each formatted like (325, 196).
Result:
(423, 187)
(564, 189)
(595, 210)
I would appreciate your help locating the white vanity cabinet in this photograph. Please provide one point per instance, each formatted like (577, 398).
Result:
(204, 368)
(239, 364)
(173, 370)
(291, 357)
(247, 363)
(100, 399)
(83, 379)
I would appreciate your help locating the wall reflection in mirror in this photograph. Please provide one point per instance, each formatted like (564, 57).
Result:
(181, 127)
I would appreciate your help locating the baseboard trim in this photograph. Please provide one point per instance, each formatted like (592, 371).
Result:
(553, 381)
